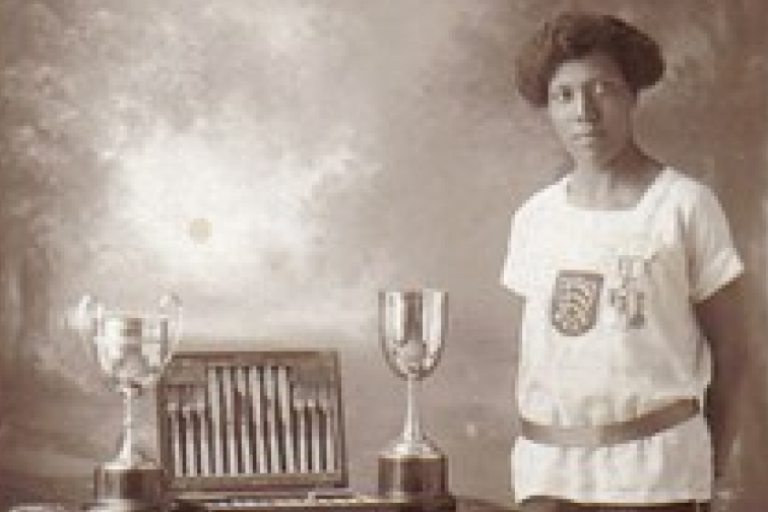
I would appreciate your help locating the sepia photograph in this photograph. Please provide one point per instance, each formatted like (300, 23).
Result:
(383, 255)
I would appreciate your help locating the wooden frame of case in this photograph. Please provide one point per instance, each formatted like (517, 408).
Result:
(236, 376)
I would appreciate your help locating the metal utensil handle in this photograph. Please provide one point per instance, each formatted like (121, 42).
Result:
(171, 310)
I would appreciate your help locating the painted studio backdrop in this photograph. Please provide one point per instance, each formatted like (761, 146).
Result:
(276, 163)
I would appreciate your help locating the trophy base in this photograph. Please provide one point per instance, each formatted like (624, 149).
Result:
(416, 483)
(124, 505)
(129, 489)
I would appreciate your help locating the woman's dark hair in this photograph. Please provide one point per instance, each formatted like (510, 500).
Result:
(577, 34)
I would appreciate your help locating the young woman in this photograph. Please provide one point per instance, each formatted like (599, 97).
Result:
(629, 281)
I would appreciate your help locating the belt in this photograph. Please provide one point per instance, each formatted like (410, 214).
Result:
(643, 426)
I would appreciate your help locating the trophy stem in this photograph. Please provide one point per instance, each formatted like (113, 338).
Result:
(129, 455)
(412, 433)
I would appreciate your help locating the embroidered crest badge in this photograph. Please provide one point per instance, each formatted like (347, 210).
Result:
(574, 301)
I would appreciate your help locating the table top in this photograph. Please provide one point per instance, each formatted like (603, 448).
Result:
(465, 504)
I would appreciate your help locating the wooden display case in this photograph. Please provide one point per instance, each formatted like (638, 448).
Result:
(257, 430)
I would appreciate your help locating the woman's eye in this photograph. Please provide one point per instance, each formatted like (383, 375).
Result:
(561, 95)
(595, 90)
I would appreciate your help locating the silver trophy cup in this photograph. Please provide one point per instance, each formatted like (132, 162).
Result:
(412, 325)
(131, 350)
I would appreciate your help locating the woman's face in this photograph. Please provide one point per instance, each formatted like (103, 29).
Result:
(590, 105)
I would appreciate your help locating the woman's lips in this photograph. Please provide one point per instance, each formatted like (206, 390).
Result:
(587, 135)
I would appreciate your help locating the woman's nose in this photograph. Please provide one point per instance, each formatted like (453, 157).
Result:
(586, 106)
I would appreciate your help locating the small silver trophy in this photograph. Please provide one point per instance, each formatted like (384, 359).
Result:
(412, 470)
(132, 350)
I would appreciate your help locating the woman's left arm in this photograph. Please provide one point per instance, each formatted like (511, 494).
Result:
(722, 320)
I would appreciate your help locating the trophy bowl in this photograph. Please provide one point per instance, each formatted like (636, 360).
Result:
(412, 326)
(131, 350)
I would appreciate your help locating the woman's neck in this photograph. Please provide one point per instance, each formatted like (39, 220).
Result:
(616, 184)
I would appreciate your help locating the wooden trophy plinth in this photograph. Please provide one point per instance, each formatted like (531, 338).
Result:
(416, 482)
(120, 489)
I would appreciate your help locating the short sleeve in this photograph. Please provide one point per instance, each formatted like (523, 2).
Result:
(514, 273)
(713, 259)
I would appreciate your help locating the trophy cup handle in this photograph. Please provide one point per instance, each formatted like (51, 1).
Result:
(88, 318)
